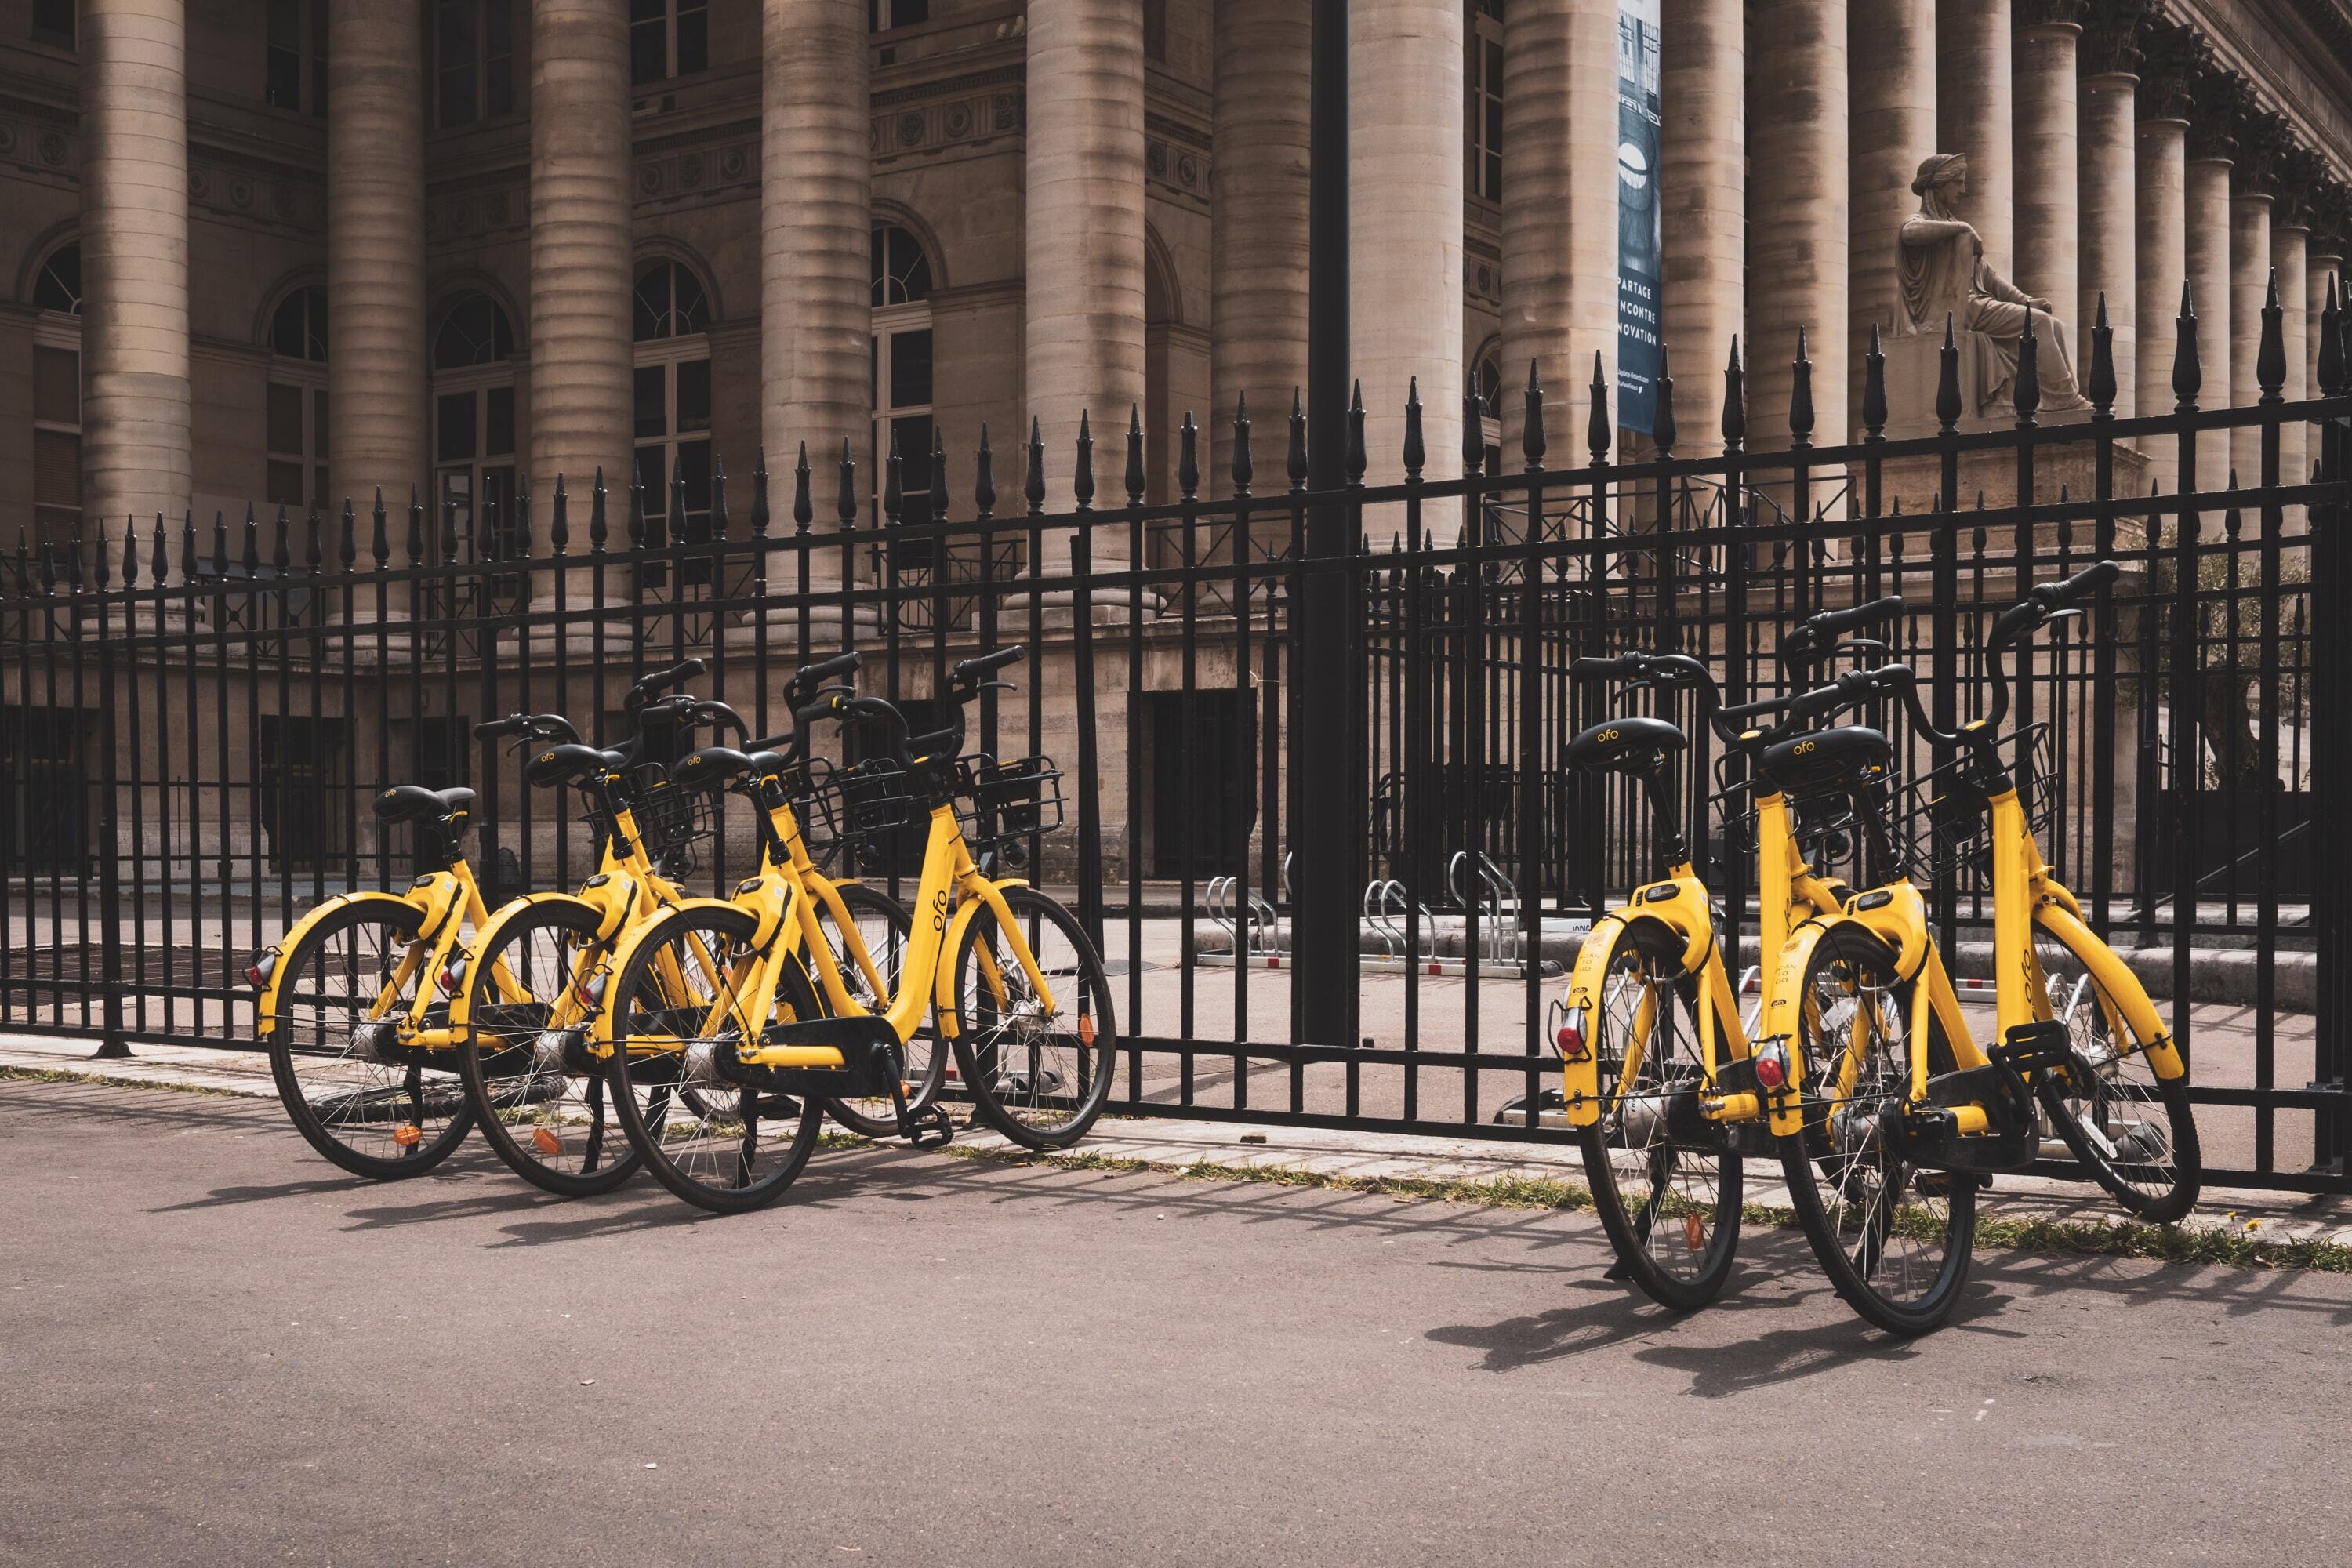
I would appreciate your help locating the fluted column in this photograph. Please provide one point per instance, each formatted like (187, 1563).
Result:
(2290, 248)
(1798, 217)
(1404, 224)
(2249, 275)
(2106, 226)
(1893, 126)
(134, 251)
(2161, 201)
(1257, 211)
(581, 356)
(1560, 200)
(1973, 109)
(2207, 224)
(1085, 232)
(375, 249)
(1703, 181)
(2042, 65)
(816, 238)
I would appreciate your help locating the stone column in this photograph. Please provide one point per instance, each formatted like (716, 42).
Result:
(1560, 205)
(1973, 108)
(2205, 223)
(1404, 226)
(2161, 199)
(1703, 181)
(581, 355)
(2250, 277)
(2290, 248)
(817, 227)
(1798, 217)
(2106, 234)
(2049, 37)
(134, 254)
(1084, 242)
(375, 251)
(1258, 209)
(1893, 125)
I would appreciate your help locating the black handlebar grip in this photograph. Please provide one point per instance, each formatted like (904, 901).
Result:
(2085, 583)
(489, 727)
(684, 671)
(989, 663)
(826, 669)
(828, 706)
(1597, 667)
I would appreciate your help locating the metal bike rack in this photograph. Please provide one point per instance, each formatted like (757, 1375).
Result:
(1219, 895)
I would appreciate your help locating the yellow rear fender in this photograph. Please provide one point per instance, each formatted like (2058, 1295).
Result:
(1587, 983)
(952, 943)
(265, 1001)
(2114, 979)
(489, 936)
(634, 937)
(1784, 1004)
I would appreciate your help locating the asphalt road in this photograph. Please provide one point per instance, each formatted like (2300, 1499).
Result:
(214, 1348)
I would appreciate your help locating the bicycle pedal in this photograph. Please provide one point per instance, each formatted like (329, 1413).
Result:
(2036, 1047)
(930, 1127)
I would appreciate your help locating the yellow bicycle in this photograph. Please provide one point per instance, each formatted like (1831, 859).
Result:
(1661, 1077)
(1018, 988)
(1904, 1116)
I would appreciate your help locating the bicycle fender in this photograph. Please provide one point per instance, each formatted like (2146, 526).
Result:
(1783, 1013)
(943, 995)
(2115, 977)
(1581, 1081)
(265, 1002)
(461, 1002)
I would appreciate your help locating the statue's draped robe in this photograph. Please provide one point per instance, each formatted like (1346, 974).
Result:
(1943, 274)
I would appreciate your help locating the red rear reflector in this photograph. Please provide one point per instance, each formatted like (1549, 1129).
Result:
(1772, 1068)
(1571, 1044)
(254, 976)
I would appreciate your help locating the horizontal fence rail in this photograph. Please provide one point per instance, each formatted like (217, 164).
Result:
(196, 716)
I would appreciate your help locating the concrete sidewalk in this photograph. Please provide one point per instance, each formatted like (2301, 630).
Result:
(1350, 1156)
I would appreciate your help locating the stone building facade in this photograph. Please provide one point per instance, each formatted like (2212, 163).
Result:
(298, 249)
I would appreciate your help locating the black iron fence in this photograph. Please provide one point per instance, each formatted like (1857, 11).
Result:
(1359, 931)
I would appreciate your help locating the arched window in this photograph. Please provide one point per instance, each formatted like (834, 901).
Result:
(673, 399)
(57, 398)
(901, 362)
(474, 414)
(667, 39)
(296, 408)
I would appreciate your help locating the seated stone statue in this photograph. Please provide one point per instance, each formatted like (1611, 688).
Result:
(1944, 274)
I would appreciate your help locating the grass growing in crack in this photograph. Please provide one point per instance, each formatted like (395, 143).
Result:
(112, 1080)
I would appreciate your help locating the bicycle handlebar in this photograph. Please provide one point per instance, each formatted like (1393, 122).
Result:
(531, 726)
(1816, 639)
(653, 686)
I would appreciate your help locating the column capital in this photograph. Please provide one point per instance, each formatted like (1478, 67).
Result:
(2220, 102)
(2170, 58)
(2301, 174)
(2265, 138)
(2113, 34)
(2331, 220)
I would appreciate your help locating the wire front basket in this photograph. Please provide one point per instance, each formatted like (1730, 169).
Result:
(851, 812)
(1948, 821)
(670, 821)
(1001, 802)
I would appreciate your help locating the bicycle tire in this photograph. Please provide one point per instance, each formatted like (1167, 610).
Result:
(705, 1161)
(1900, 1267)
(2155, 1191)
(1694, 1222)
(549, 1101)
(927, 1063)
(1016, 1069)
(350, 1109)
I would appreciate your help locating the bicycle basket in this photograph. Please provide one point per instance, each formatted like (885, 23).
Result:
(1948, 820)
(671, 820)
(998, 802)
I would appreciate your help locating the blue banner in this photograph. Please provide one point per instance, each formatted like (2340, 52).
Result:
(1641, 223)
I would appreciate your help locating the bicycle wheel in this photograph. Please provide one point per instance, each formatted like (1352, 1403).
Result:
(1037, 1075)
(884, 926)
(1671, 1206)
(717, 1145)
(376, 1117)
(552, 1127)
(1894, 1240)
(2132, 1130)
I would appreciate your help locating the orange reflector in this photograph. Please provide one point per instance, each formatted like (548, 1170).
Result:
(408, 1135)
(1694, 1233)
(1086, 1029)
(545, 1141)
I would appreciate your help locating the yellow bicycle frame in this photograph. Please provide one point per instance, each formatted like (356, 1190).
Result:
(1788, 892)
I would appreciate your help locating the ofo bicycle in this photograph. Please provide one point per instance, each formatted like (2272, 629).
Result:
(1904, 1116)
(1017, 986)
(1661, 1077)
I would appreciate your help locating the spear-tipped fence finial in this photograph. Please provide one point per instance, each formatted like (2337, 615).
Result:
(939, 491)
(894, 492)
(1800, 395)
(1473, 426)
(984, 478)
(1187, 458)
(1947, 380)
(1243, 472)
(1296, 455)
(347, 544)
(636, 521)
(2100, 386)
(718, 526)
(762, 517)
(1134, 475)
(1416, 448)
(599, 532)
(379, 533)
(1533, 442)
(1033, 484)
(252, 558)
(313, 541)
(2187, 374)
(1734, 400)
(845, 497)
(559, 518)
(1082, 485)
(2331, 366)
(804, 493)
(1358, 459)
(2269, 356)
